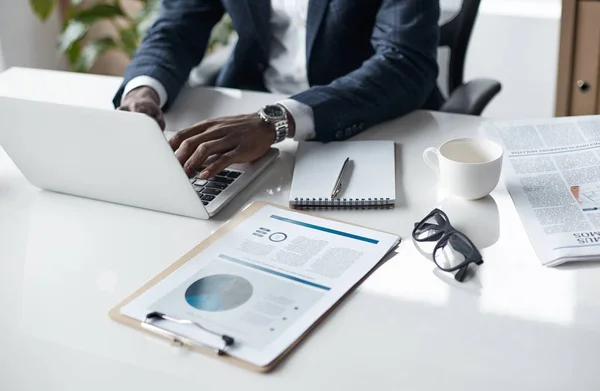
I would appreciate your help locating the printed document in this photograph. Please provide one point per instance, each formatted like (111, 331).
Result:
(265, 282)
(552, 172)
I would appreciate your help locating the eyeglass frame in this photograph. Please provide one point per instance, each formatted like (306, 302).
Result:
(446, 232)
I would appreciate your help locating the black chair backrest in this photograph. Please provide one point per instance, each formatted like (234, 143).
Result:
(456, 24)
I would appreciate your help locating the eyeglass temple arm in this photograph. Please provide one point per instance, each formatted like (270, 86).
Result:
(462, 273)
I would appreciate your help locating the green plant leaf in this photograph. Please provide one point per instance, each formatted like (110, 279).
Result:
(221, 33)
(147, 15)
(98, 12)
(42, 8)
(73, 32)
(92, 51)
(71, 9)
(129, 39)
(73, 52)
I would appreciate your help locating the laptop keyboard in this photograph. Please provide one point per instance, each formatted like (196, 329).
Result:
(210, 189)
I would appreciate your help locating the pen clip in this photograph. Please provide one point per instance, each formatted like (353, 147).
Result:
(337, 189)
(180, 340)
(339, 182)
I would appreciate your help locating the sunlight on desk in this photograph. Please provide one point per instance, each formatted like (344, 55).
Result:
(548, 299)
(515, 284)
(408, 276)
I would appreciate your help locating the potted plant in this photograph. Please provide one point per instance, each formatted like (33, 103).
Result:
(129, 24)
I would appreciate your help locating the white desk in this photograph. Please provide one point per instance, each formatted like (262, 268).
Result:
(65, 261)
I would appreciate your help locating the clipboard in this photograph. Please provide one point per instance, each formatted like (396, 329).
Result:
(197, 346)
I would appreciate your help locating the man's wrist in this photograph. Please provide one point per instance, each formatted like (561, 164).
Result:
(303, 119)
(145, 92)
(146, 81)
(291, 123)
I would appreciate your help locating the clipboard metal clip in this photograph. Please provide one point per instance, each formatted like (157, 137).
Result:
(180, 340)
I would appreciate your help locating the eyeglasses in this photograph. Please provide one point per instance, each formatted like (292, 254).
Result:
(453, 250)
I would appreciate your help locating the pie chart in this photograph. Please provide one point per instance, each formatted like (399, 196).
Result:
(219, 292)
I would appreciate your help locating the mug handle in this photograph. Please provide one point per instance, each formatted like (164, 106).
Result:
(428, 157)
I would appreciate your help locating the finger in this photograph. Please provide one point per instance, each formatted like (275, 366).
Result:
(160, 118)
(204, 151)
(188, 146)
(214, 133)
(185, 134)
(157, 115)
(149, 109)
(221, 163)
(186, 149)
(146, 107)
(202, 127)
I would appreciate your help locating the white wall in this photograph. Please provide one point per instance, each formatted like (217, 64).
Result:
(25, 41)
(2, 66)
(517, 43)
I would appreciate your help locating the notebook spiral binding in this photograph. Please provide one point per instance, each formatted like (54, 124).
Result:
(342, 203)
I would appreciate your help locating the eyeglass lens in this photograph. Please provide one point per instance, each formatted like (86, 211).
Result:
(431, 229)
(452, 251)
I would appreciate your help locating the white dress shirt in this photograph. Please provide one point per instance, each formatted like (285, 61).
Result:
(286, 73)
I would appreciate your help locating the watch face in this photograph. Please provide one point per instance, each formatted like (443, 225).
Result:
(273, 111)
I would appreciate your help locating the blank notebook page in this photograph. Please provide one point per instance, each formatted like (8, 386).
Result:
(371, 174)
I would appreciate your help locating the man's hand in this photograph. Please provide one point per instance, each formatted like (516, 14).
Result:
(146, 101)
(237, 139)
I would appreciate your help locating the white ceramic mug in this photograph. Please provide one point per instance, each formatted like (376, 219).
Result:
(467, 167)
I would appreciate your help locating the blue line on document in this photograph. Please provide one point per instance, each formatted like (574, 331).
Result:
(266, 270)
(324, 229)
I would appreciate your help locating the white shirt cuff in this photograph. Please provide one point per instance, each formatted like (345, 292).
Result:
(303, 117)
(147, 81)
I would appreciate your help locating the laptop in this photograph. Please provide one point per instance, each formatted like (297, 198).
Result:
(112, 156)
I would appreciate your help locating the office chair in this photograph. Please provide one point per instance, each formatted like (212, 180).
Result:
(456, 25)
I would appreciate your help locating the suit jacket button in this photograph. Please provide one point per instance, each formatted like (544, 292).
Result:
(349, 132)
(339, 134)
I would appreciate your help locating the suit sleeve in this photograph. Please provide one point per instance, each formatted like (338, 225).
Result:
(396, 80)
(174, 44)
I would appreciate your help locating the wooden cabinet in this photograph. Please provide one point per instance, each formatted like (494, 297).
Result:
(578, 87)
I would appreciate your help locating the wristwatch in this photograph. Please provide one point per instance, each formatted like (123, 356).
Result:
(276, 116)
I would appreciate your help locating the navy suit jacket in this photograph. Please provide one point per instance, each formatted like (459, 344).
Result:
(368, 61)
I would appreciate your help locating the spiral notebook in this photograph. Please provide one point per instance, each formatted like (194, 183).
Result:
(369, 182)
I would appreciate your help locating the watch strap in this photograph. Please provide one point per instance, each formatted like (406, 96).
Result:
(281, 125)
(281, 130)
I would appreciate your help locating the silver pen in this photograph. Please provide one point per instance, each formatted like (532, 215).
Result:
(339, 182)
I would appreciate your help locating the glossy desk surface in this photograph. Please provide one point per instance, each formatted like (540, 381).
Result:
(65, 261)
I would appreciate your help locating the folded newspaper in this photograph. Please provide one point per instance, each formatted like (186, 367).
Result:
(552, 172)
